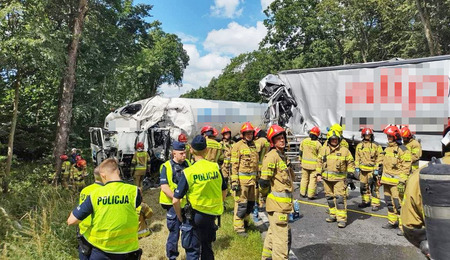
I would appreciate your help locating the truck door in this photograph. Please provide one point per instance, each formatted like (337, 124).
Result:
(97, 141)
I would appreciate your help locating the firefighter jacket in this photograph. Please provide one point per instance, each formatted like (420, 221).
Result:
(65, 168)
(263, 147)
(368, 156)
(412, 214)
(281, 177)
(396, 164)
(226, 149)
(144, 212)
(309, 151)
(334, 163)
(140, 160)
(416, 152)
(213, 150)
(343, 143)
(78, 174)
(244, 163)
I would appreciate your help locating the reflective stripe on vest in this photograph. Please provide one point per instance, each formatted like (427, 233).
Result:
(309, 161)
(87, 222)
(205, 187)
(389, 178)
(367, 167)
(163, 198)
(115, 222)
(283, 197)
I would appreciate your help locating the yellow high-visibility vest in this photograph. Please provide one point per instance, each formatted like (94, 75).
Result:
(163, 198)
(87, 222)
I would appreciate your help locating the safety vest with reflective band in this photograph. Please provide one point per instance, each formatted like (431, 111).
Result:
(244, 163)
(115, 222)
(163, 198)
(281, 177)
(205, 187)
(334, 163)
(310, 150)
(213, 150)
(416, 152)
(65, 168)
(87, 222)
(368, 156)
(140, 159)
(396, 164)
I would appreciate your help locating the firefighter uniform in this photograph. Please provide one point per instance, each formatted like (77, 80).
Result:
(65, 173)
(343, 143)
(244, 169)
(141, 161)
(396, 169)
(213, 150)
(78, 173)
(262, 147)
(368, 156)
(309, 151)
(416, 152)
(144, 212)
(226, 165)
(333, 164)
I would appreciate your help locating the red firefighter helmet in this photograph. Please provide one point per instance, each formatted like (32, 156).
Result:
(366, 131)
(275, 130)
(78, 157)
(140, 145)
(206, 129)
(257, 131)
(215, 132)
(315, 131)
(64, 157)
(246, 127)
(81, 163)
(405, 132)
(182, 138)
(393, 131)
(225, 130)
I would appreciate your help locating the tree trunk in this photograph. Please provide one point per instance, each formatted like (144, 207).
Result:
(424, 17)
(5, 183)
(68, 88)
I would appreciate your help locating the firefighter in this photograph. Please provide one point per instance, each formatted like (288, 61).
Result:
(114, 230)
(183, 138)
(368, 156)
(170, 174)
(309, 151)
(338, 129)
(244, 168)
(276, 183)
(263, 147)
(144, 213)
(396, 168)
(75, 155)
(83, 226)
(78, 172)
(226, 149)
(333, 165)
(413, 146)
(65, 170)
(140, 164)
(214, 150)
(205, 189)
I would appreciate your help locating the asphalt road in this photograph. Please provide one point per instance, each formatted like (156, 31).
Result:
(363, 238)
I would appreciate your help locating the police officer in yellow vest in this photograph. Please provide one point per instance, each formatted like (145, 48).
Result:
(276, 183)
(114, 230)
(170, 174)
(205, 191)
(83, 245)
(140, 163)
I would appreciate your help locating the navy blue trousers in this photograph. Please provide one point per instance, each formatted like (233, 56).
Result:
(197, 237)
(173, 224)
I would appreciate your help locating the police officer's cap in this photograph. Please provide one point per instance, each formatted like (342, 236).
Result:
(199, 143)
(178, 146)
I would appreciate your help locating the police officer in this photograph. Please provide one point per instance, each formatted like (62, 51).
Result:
(413, 146)
(244, 168)
(83, 245)
(226, 143)
(114, 229)
(170, 174)
(140, 163)
(78, 172)
(205, 190)
(65, 170)
(276, 183)
(214, 150)
(368, 156)
(396, 168)
(334, 163)
(309, 151)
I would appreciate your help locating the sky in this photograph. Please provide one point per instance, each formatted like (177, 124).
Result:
(212, 32)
